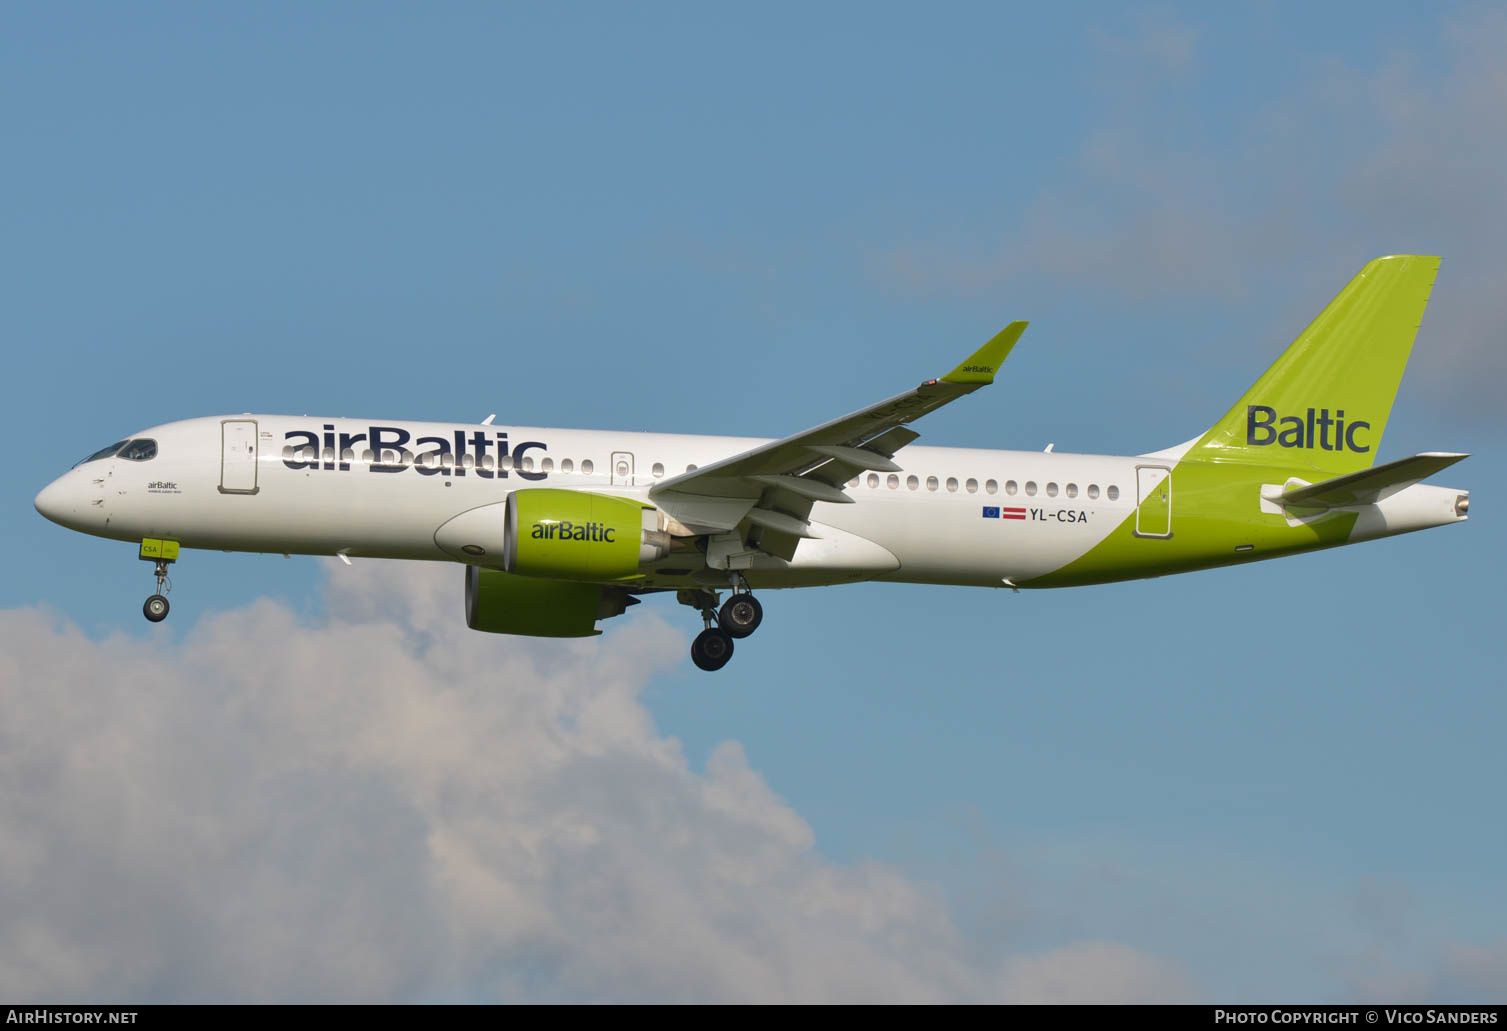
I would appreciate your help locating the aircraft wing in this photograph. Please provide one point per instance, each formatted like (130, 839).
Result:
(774, 485)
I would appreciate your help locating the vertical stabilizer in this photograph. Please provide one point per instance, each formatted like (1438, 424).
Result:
(1323, 405)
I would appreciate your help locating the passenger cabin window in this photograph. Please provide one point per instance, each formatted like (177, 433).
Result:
(586, 467)
(1113, 493)
(567, 466)
(1031, 488)
(931, 483)
(873, 480)
(991, 487)
(658, 470)
(972, 485)
(104, 452)
(952, 484)
(1072, 490)
(892, 481)
(1093, 491)
(1011, 487)
(548, 465)
(912, 483)
(1051, 490)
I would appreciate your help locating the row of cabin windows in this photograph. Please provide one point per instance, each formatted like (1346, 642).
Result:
(971, 485)
(567, 466)
(430, 460)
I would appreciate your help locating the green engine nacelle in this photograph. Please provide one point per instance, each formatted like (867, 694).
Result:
(501, 603)
(573, 535)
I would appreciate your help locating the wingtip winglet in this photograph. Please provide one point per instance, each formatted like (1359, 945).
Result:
(979, 367)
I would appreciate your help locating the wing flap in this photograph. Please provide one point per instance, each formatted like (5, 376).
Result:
(860, 457)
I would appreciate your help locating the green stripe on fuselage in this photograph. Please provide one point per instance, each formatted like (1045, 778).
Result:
(1216, 508)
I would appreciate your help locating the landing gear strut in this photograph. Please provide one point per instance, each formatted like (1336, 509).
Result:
(163, 553)
(155, 608)
(738, 617)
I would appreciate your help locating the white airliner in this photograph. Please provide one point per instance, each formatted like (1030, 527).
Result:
(559, 528)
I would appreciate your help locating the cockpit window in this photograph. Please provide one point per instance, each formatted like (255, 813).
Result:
(141, 450)
(104, 452)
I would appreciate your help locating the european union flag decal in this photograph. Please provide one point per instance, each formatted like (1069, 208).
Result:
(991, 512)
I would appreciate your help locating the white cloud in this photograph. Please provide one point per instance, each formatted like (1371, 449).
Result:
(383, 805)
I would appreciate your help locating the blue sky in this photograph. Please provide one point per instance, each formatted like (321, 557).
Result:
(1273, 783)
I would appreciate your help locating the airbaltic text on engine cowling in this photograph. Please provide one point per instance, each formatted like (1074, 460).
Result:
(565, 530)
(430, 455)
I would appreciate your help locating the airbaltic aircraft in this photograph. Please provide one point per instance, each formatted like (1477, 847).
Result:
(558, 529)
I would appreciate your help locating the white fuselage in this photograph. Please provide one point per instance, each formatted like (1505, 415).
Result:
(922, 525)
(435, 491)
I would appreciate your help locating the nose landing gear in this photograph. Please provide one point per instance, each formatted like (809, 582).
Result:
(163, 553)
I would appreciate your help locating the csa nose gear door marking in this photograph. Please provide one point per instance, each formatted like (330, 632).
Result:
(238, 456)
(1153, 489)
(622, 468)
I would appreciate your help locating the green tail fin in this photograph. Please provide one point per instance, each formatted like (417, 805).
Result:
(1324, 404)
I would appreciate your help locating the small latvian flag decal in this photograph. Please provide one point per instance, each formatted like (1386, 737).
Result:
(990, 512)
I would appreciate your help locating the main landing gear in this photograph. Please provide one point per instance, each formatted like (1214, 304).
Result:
(741, 614)
(738, 617)
(163, 553)
(711, 649)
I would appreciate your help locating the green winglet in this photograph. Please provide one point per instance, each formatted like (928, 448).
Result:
(981, 365)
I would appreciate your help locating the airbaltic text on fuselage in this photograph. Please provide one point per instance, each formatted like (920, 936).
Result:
(1261, 429)
(306, 449)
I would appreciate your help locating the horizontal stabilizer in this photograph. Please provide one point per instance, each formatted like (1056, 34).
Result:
(1369, 486)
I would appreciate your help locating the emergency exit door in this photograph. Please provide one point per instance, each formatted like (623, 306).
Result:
(238, 456)
(622, 468)
(1153, 488)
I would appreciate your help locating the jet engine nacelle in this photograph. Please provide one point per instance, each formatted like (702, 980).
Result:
(503, 603)
(562, 534)
(573, 535)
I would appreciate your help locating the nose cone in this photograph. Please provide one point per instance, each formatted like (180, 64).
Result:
(62, 502)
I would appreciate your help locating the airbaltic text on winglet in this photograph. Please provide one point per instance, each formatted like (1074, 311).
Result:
(1261, 429)
(977, 368)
